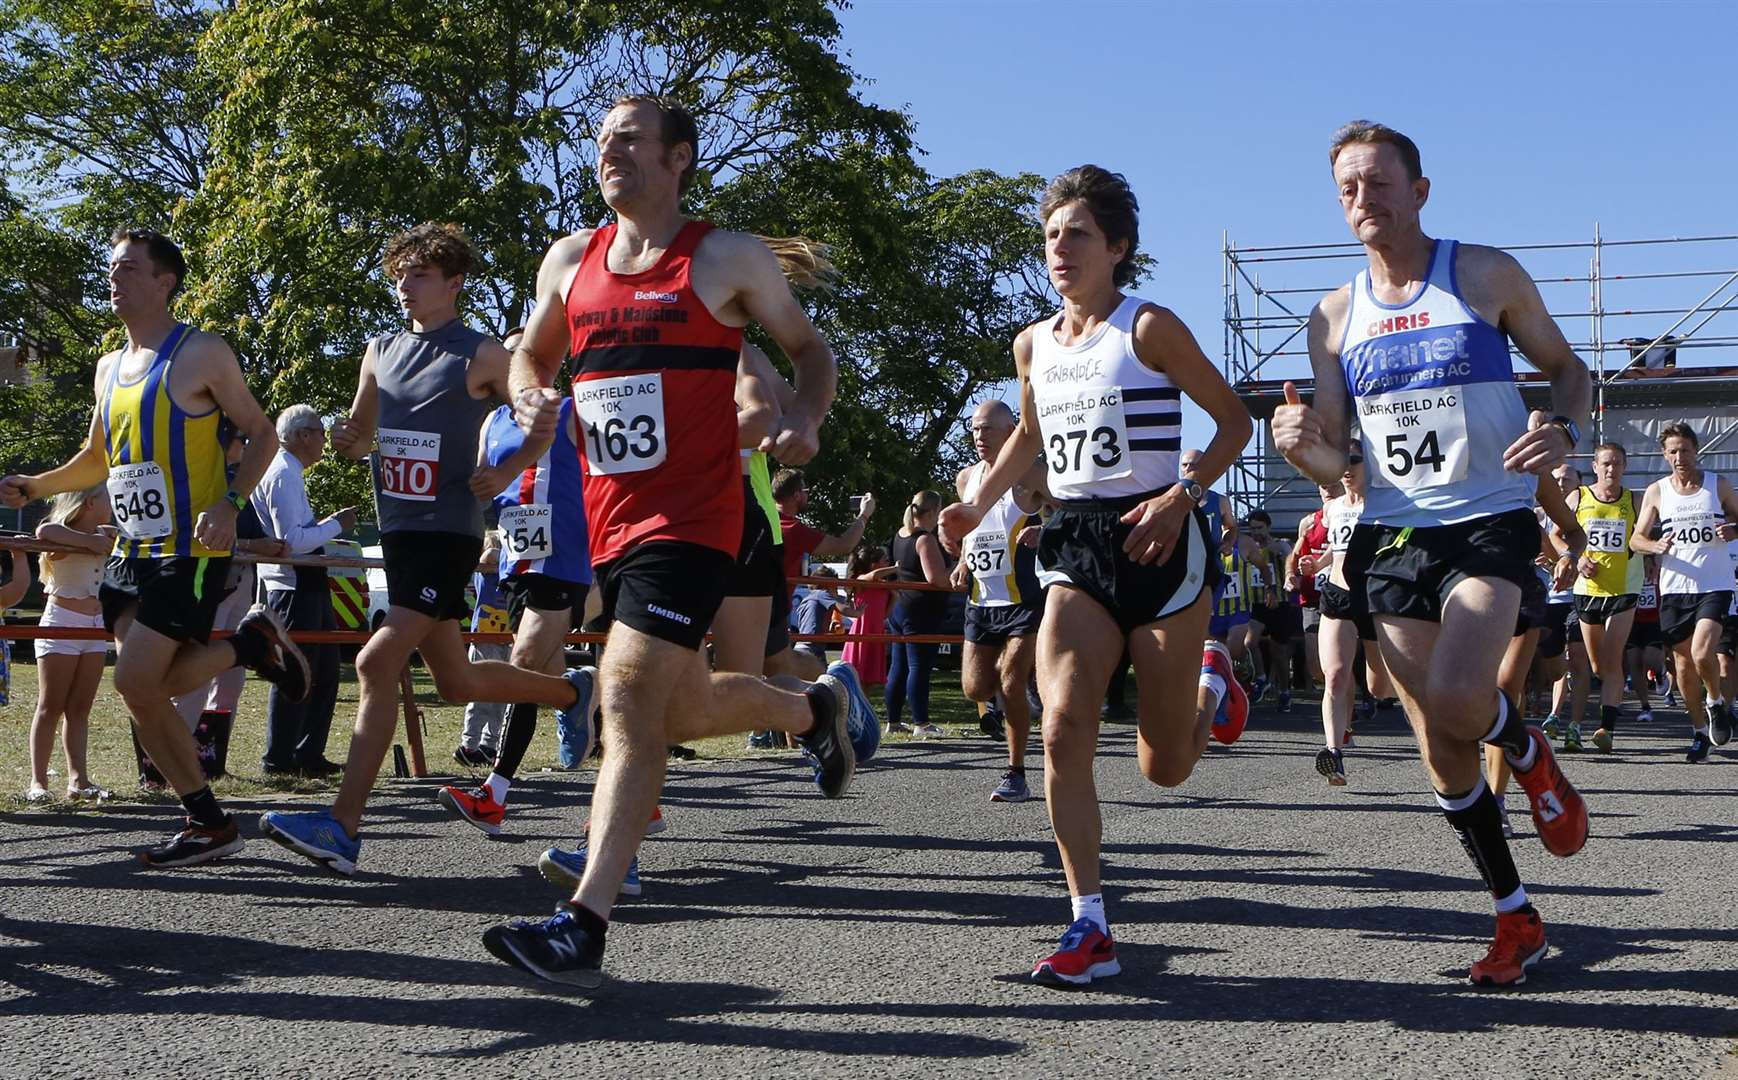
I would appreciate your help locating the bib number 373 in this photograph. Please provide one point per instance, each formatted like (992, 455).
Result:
(1086, 435)
(141, 500)
(621, 422)
(1418, 437)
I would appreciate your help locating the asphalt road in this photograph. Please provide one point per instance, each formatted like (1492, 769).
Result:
(1267, 924)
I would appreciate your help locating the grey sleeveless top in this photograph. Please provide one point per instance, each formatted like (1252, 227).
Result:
(427, 431)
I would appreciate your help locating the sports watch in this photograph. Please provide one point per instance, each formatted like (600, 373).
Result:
(235, 499)
(1194, 491)
(1570, 428)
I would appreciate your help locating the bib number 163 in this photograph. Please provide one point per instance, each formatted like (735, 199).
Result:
(622, 422)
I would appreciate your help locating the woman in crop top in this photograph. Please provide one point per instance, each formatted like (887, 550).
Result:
(68, 670)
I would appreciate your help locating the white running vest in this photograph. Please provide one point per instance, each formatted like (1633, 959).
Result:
(1698, 562)
(1342, 517)
(992, 551)
(1434, 391)
(1112, 426)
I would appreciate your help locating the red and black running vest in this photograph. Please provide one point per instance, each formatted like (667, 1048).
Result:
(1315, 541)
(654, 394)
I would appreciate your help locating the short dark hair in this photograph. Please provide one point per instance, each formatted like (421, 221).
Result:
(165, 253)
(1259, 515)
(1369, 131)
(435, 243)
(1110, 202)
(675, 125)
(786, 482)
(1616, 448)
(1679, 430)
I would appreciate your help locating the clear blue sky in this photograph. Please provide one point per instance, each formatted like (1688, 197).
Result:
(1535, 120)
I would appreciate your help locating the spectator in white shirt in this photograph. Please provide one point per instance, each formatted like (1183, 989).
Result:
(296, 732)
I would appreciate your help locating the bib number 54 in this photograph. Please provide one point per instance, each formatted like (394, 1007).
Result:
(1403, 457)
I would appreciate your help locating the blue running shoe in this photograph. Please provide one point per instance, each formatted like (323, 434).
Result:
(565, 868)
(315, 835)
(829, 745)
(557, 950)
(575, 727)
(862, 724)
(1012, 788)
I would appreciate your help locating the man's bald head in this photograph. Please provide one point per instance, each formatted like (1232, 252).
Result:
(992, 422)
(1188, 459)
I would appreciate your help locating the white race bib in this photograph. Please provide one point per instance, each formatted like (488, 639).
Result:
(141, 501)
(1606, 535)
(1086, 435)
(1695, 530)
(410, 464)
(527, 531)
(621, 422)
(1650, 597)
(1341, 522)
(986, 557)
(1418, 437)
(1233, 586)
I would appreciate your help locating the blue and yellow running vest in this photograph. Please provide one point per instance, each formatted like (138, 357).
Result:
(165, 464)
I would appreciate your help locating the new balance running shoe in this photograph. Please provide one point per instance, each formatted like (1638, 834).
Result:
(576, 725)
(566, 868)
(282, 663)
(1233, 714)
(476, 805)
(1085, 953)
(315, 835)
(1520, 943)
(1559, 812)
(863, 723)
(556, 950)
(829, 744)
(1332, 765)
(195, 844)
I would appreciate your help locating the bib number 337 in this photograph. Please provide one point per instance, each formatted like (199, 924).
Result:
(622, 422)
(1418, 437)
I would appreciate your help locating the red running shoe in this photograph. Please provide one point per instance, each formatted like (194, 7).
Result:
(1519, 945)
(477, 806)
(1559, 812)
(1086, 953)
(1234, 706)
(657, 824)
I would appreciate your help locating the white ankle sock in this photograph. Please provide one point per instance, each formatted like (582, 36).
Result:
(498, 785)
(1090, 907)
(1215, 685)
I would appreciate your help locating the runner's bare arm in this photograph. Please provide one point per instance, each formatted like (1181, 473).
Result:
(547, 339)
(1729, 504)
(1033, 488)
(759, 390)
(761, 291)
(486, 374)
(1163, 343)
(223, 381)
(1314, 437)
(1646, 518)
(1498, 288)
(353, 435)
(1016, 457)
(1556, 508)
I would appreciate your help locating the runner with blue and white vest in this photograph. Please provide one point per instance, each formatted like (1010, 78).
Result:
(1125, 559)
(1694, 510)
(1416, 351)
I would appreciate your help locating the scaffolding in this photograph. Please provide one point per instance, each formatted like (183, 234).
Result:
(1627, 307)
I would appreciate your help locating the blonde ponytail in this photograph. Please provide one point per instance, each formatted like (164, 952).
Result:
(805, 263)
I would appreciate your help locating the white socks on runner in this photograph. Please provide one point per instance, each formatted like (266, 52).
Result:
(498, 785)
(1515, 901)
(1090, 907)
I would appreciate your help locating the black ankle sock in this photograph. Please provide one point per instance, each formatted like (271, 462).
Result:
(821, 703)
(1512, 735)
(590, 921)
(203, 809)
(516, 738)
(1608, 715)
(1479, 824)
(250, 648)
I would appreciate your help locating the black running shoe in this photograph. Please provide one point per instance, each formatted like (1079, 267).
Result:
(829, 744)
(556, 950)
(1699, 747)
(1720, 724)
(283, 665)
(472, 757)
(1332, 765)
(195, 844)
(992, 723)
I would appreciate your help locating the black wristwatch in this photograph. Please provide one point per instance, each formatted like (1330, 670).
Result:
(1194, 491)
(1570, 428)
(235, 499)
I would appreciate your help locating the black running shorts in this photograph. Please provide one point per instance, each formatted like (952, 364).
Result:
(759, 567)
(1644, 635)
(544, 593)
(1680, 614)
(176, 596)
(1408, 573)
(1729, 637)
(1554, 630)
(1532, 614)
(427, 572)
(1594, 610)
(1081, 546)
(1338, 603)
(669, 589)
(991, 625)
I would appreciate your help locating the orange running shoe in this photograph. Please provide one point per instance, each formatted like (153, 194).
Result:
(477, 806)
(1519, 945)
(1559, 813)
